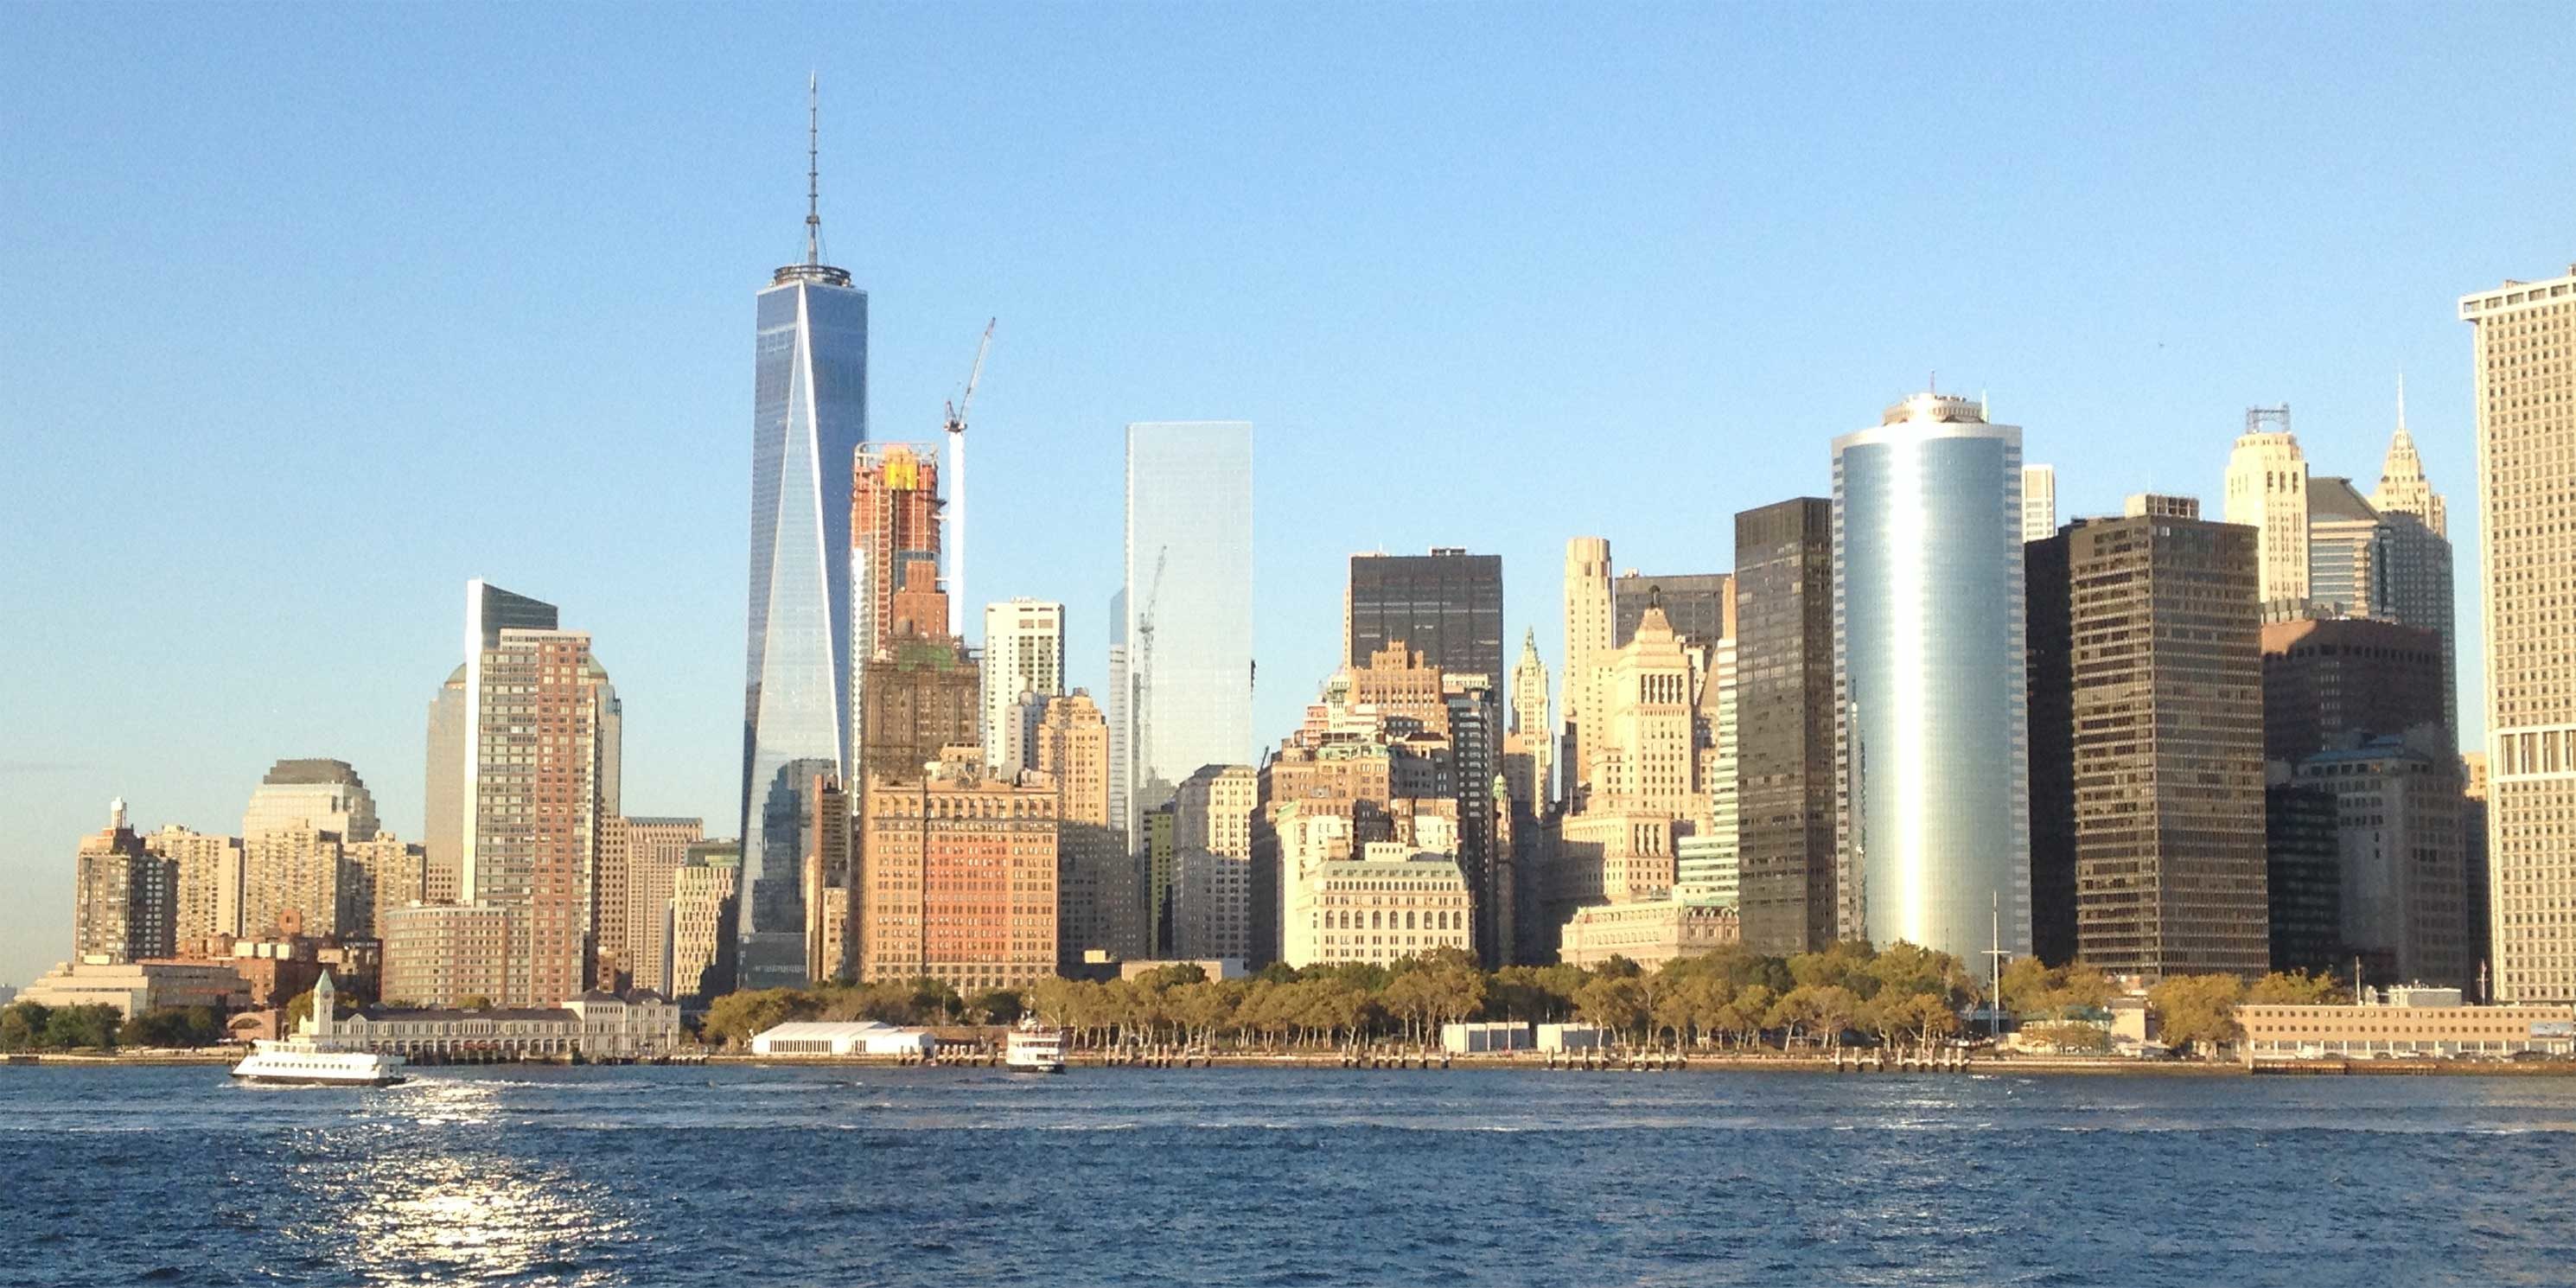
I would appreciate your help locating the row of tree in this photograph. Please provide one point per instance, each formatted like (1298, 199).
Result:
(33, 1026)
(1727, 997)
(1730, 997)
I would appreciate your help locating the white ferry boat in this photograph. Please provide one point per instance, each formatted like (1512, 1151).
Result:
(295, 1060)
(1034, 1049)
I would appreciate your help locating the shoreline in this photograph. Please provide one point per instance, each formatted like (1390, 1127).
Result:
(1092, 1061)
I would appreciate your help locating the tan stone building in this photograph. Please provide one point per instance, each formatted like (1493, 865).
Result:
(704, 910)
(2419, 1022)
(959, 882)
(1100, 905)
(126, 900)
(1587, 642)
(295, 880)
(1389, 904)
(384, 873)
(444, 954)
(2267, 490)
(655, 849)
(2526, 397)
(316, 795)
(1648, 934)
(210, 880)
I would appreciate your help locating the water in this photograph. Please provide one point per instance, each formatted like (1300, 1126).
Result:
(741, 1176)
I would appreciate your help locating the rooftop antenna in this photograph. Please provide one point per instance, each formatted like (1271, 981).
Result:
(813, 152)
(2401, 400)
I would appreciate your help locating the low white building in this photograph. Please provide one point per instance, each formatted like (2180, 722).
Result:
(1490, 1035)
(1648, 934)
(1571, 1037)
(854, 1037)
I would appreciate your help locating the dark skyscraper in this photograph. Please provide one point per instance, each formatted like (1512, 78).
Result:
(2303, 878)
(1694, 603)
(1784, 669)
(809, 414)
(2165, 708)
(2050, 631)
(2333, 684)
(1446, 605)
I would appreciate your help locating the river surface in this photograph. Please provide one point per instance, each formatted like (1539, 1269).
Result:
(753, 1177)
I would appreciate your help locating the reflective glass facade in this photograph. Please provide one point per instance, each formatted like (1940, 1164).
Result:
(1188, 611)
(1933, 820)
(809, 414)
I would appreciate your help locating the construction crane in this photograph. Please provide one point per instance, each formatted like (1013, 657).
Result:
(955, 424)
(1142, 755)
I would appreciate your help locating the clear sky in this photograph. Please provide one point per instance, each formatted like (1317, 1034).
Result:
(311, 314)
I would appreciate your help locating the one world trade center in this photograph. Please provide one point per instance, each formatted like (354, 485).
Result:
(809, 414)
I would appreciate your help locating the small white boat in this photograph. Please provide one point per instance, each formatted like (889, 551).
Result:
(296, 1061)
(1034, 1048)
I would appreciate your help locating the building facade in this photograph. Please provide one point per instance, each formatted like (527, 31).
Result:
(2038, 502)
(446, 954)
(1587, 640)
(703, 932)
(2403, 881)
(1649, 934)
(2334, 683)
(656, 849)
(325, 795)
(1383, 906)
(1186, 615)
(2526, 396)
(1535, 735)
(546, 762)
(959, 883)
(2161, 624)
(448, 796)
(126, 898)
(1446, 605)
(1784, 721)
(1932, 829)
(1023, 655)
(210, 880)
(2303, 875)
(2267, 490)
(381, 873)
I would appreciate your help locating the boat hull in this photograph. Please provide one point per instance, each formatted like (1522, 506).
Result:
(316, 1080)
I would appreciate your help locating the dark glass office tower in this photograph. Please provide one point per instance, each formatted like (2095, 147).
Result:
(1693, 603)
(1784, 703)
(809, 414)
(1446, 605)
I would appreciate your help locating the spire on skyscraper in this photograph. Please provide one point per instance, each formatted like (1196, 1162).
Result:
(813, 170)
(2402, 485)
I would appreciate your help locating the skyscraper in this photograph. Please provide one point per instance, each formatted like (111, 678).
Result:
(1933, 817)
(2403, 489)
(2164, 716)
(324, 794)
(1694, 606)
(2403, 881)
(1537, 738)
(2038, 502)
(1023, 654)
(2342, 533)
(809, 415)
(1784, 703)
(2526, 392)
(210, 880)
(524, 741)
(2267, 490)
(126, 904)
(2335, 683)
(448, 801)
(1187, 624)
(1446, 605)
(1587, 639)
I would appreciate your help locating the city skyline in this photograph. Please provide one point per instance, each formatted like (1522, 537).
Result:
(340, 675)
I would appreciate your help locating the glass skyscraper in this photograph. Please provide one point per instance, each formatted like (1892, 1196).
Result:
(1933, 823)
(1186, 624)
(809, 415)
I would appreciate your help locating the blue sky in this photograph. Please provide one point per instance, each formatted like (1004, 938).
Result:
(312, 314)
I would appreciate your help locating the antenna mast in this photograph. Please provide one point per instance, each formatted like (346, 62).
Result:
(813, 154)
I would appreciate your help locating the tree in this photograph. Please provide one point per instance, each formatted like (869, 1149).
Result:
(997, 1006)
(169, 1026)
(74, 1028)
(2297, 988)
(22, 1026)
(736, 1018)
(1614, 1002)
(2198, 1010)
